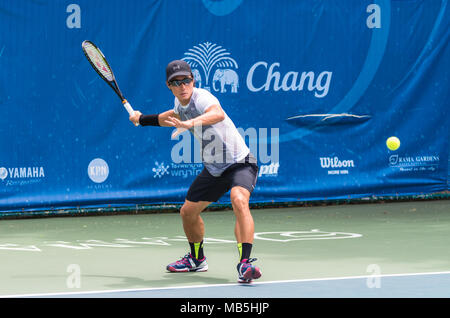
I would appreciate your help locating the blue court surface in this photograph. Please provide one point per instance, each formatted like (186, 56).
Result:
(415, 285)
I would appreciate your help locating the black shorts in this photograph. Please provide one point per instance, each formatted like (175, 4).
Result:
(206, 187)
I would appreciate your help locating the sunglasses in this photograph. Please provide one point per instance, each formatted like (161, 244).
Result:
(177, 83)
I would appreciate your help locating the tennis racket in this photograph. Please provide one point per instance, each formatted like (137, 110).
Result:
(101, 66)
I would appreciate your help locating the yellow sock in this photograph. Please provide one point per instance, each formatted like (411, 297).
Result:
(197, 249)
(239, 245)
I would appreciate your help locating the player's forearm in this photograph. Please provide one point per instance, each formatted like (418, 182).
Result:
(162, 118)
(209, 118)
(149, 120)
(155, 119)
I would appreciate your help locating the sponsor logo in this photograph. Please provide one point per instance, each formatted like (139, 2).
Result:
(314, 234)
(21, 175)
(22, 172)
(291, 81)
(89, 244)
(213, 67)
(179, 170)
(185, 170)
(215, 70)
(269, 170)
(414, 163)
(3, 173)
(160, 170)
(221, 7)
(98, 170)
(336, 166)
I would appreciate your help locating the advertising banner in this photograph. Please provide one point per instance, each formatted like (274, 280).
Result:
(314, 87)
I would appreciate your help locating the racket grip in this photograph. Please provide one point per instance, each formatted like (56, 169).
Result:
(129, 109)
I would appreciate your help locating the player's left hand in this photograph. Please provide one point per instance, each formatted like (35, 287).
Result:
(175, 122)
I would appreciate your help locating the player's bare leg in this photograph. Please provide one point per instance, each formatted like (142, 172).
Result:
(244, 231)
(193, 225)
(245, 227)
(194, 228)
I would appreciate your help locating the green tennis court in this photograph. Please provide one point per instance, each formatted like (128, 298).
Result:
(371, 250)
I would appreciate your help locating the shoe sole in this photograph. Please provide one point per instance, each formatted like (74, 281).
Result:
(184, 270)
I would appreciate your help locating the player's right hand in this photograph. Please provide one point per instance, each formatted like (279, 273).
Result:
(134, 118)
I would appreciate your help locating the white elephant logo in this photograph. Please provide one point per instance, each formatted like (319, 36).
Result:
(225, 77)
(208, 57)
(197, 77)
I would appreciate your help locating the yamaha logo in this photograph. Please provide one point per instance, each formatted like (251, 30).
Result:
(22, 173)
(3, 173)
(21, 176)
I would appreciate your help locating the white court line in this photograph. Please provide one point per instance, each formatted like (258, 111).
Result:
(219, 285)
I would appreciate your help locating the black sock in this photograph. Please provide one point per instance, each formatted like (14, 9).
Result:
(197, 250)
(245, 249)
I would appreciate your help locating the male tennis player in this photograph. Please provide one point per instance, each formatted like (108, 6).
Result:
(228, 165)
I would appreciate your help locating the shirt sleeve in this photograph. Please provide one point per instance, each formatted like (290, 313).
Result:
(206, 100)
(175, 107)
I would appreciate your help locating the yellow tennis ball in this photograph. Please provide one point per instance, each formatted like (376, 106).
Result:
(393, 143)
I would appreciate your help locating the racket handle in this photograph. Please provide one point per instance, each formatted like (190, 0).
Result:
(129, 109)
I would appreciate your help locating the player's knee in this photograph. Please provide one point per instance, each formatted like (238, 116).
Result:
(184, 211)
(187, 211)
(239, 201)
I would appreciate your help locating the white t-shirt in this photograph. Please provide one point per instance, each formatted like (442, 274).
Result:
(221, 143)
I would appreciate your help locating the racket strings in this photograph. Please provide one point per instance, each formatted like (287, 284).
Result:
(98, 61)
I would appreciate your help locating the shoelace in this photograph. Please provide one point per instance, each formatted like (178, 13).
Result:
(250, 260)
(184, 260)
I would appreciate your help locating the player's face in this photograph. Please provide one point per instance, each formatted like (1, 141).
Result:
(182, 87)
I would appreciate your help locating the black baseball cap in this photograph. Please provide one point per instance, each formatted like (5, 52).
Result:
(177, 68)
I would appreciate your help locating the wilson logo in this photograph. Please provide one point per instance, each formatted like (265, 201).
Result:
(335, 166)
(327, 162)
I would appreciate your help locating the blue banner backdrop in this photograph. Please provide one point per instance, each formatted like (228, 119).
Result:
(315, 87)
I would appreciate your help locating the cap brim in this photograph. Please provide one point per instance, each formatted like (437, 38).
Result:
(185, 73)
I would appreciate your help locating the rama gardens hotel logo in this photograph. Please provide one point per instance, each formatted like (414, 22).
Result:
(414, 163)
